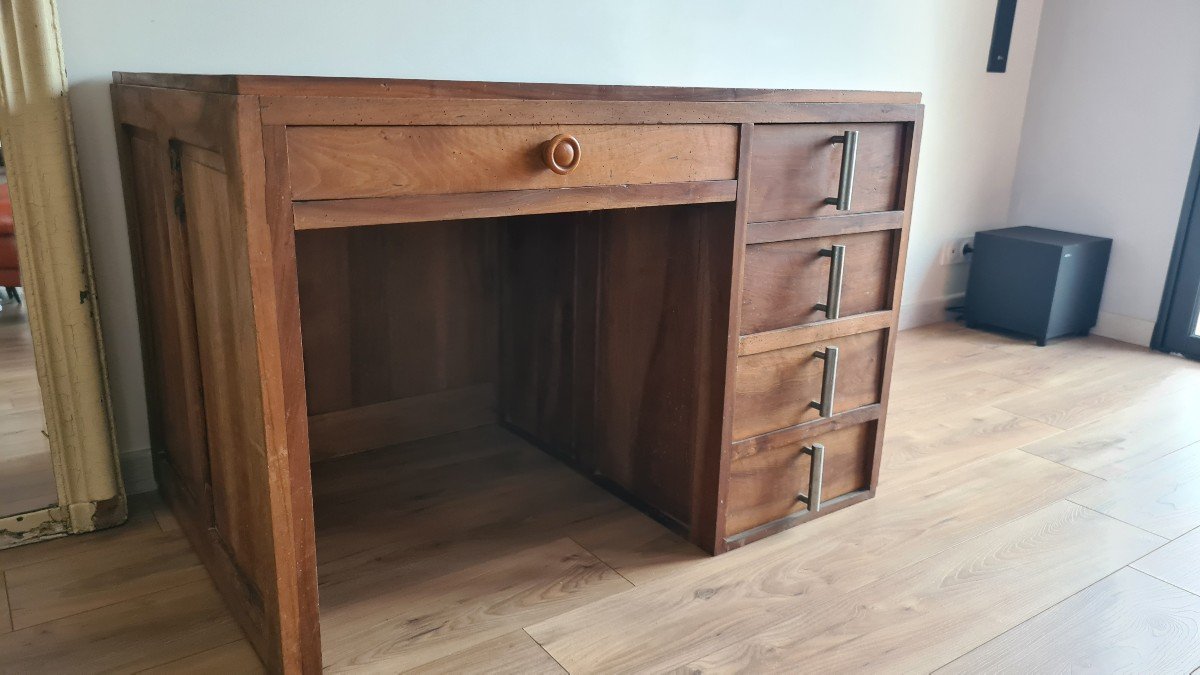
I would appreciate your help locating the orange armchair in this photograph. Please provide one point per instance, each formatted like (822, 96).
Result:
(10, 270)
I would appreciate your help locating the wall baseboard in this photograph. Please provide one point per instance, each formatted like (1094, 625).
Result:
(1124, 328)
(926, 312)
(137, 471)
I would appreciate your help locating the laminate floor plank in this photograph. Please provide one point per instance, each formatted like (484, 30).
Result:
(733, 597)
(637, 547)
(141, 520)
(130, 635)
(913, 451)
(1098, 392)
(397, 631)
(1126, 623)
(925, 615)
(460, 553)
(513, 653)
(57, 588)
(1162, 497)
(1177, 563)
(1137, 435)
(236, 657)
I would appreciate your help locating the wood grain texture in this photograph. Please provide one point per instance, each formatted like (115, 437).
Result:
(512, 591)
(664, 294)
(763, 486)
(356, 162)
(395, 520)
(828, 329)
(1175, 563)
(127, 636)
(620, 357)
(1106, 389)
(636, 547)
(371, 111)
(785, 281)
(1162, 497)
(378, 425)
(917, 450)
(774, 389)
(148, 563)
(1128, 622)
(1010, 574)
(228, 359)
(823, 226)
(272, 85)
(537, 297)
(235, 657)
(397, 311)
(512, 654)
(711, 478)
(162, 273)
(1134, 436)
(796, 167)
(730, 599)
(336, 213)
(254, 535)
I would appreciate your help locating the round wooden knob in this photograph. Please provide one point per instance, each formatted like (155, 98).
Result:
(561, 153)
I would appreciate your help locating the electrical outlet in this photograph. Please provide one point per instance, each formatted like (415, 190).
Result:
(955, 251)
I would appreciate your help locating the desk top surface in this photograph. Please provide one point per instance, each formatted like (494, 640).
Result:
(279, 85)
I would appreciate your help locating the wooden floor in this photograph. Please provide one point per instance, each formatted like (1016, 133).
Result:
(1039, 512)
(26, 475)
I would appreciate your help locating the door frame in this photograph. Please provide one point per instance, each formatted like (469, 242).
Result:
(1189, 224)
(35, 128)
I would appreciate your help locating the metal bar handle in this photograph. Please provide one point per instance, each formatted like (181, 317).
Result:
(837, 273)
(816, 474)
(828, 383)
(849, 141)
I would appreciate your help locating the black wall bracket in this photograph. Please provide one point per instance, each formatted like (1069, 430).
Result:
(1006, 11)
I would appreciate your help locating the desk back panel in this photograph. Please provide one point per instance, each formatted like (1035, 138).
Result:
(400, 331)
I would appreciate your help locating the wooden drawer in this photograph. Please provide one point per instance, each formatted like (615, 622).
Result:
(774, 389)
(764, 485)
(785, 281)
(348, 162)
(795, 167)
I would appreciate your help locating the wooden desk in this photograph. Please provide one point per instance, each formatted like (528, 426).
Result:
(688, 294)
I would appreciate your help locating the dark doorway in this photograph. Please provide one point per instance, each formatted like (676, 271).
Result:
(1178, 327)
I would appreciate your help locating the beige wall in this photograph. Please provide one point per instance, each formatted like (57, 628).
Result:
(1114, 108)
(938, 47)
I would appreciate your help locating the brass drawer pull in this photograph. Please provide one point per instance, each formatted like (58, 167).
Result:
(828, 382)
(561, 153)
(849, 143)
(816, 474)
(837, 272)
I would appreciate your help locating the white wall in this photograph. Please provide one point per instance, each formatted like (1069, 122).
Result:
(938, 47)
(1114, 109)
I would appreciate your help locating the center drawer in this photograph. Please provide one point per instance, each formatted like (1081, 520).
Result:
(776, 389)
(353, 162)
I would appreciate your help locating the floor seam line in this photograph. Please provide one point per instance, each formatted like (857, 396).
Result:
(1031, 618)
(544, 650)
(1166, 540)
(206, 577)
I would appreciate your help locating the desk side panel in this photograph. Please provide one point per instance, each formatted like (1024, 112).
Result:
(197, 180)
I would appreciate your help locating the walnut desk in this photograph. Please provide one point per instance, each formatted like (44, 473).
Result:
(690, 295)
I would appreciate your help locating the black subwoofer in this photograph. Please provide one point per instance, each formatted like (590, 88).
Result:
(1037, 282)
